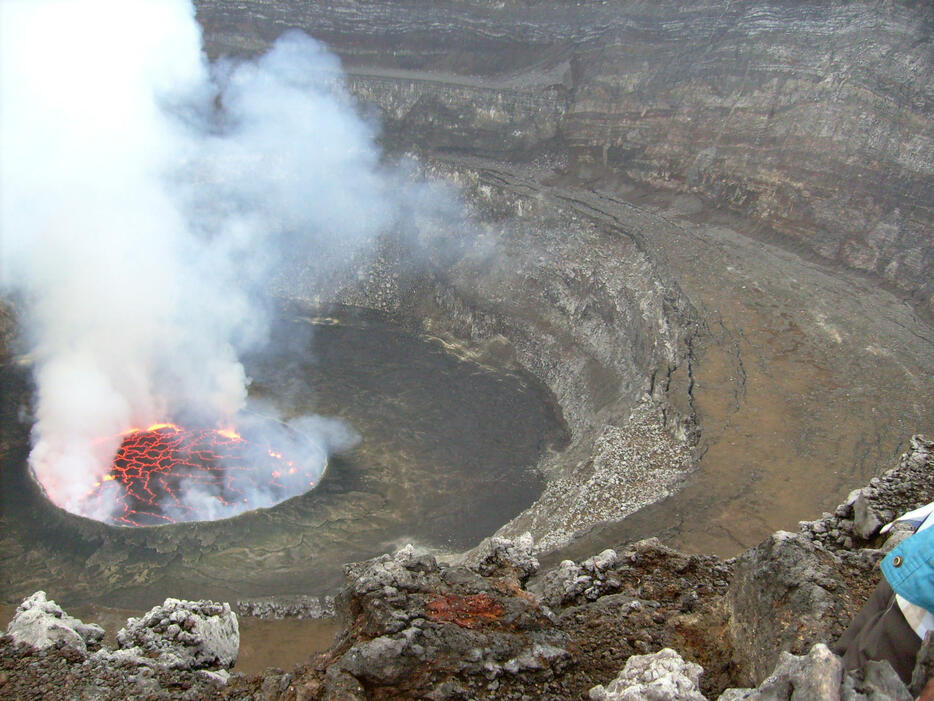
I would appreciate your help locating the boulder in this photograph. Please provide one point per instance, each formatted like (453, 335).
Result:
(661, 676)
(877, 681)
(503, 556)
(563, 584)
(381, 660)
(42, 623)
(820, 675)
(816, 675)
(340, 686)
(434, 631)
(786, 595)
(866, 523)
(185, 635)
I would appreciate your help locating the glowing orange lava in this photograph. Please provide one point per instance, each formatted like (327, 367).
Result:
(167, 473)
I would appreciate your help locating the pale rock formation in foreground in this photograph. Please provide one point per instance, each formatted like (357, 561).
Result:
(42, 623)
(660, 676)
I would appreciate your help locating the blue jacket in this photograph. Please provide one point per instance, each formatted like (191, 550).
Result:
(909, 568)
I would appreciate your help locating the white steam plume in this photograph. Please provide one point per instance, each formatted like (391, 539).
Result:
(146, 196)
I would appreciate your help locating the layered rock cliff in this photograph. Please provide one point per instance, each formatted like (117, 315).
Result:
(811, 119)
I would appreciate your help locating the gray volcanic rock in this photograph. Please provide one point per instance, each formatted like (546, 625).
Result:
(876, 680)
(924, 665)
(42, 623)
(820, 675)
(610, 572)
(504, 556)
(866, 521)
(45, 654)
(816, 675)
(184, 635)
(591, 578)
(786, 595)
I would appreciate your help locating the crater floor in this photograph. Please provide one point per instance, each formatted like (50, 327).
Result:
(448, 452)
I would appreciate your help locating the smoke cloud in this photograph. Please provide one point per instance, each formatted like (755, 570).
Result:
(147, 197)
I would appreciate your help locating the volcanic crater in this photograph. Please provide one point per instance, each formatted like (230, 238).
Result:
(447, 449)
(653, 328)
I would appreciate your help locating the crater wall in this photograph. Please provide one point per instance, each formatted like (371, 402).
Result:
(811, 119)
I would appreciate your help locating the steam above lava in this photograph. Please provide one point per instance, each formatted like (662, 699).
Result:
(148, 196)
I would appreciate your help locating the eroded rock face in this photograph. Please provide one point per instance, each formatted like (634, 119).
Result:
(786, 594)
(42, 623)
(417, 627)
(812, 120)
(774, 120)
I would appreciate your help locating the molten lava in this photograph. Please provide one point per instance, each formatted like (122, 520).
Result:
(167, 473)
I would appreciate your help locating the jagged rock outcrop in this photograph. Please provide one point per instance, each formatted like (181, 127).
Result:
(42, 623)
(505, 557)
(426, 630)
(860, 518)
(816, 675)
(179, 650)
(876, 680)
(185, 635)
(610, 572)
(820, 675)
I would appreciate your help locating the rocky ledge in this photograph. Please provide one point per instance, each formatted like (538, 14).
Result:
(641, 622)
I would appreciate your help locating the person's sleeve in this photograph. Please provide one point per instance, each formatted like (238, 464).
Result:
(909, 569)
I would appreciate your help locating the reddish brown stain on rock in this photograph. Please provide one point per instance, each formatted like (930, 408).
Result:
(470, 611)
